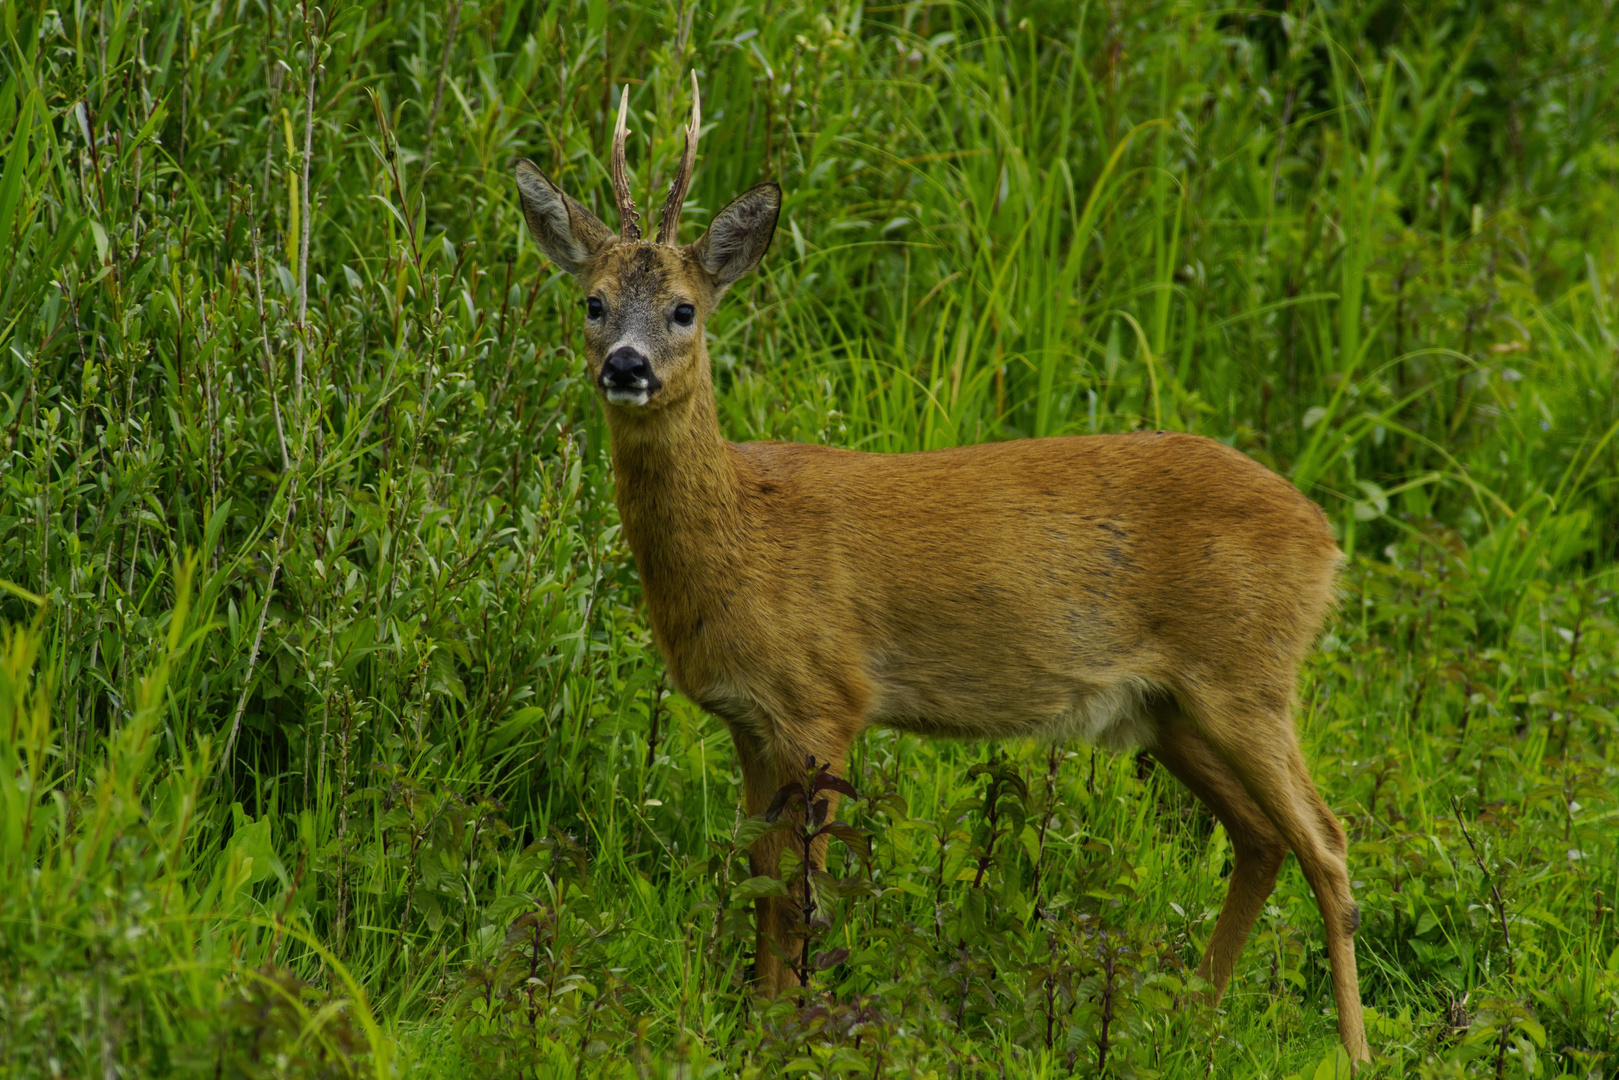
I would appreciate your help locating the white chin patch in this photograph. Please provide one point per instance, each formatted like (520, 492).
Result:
(627, 397)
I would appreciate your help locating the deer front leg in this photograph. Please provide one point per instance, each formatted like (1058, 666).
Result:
(768, 765)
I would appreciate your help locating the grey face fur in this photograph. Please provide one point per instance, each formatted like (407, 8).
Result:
(646, 303)
(648, 298)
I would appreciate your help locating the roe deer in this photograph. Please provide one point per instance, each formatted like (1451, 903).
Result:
(1151, 589)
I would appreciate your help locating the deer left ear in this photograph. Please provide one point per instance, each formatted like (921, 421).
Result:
(740, 235)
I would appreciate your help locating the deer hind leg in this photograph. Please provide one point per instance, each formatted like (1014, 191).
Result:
(1258, 849)
(1260, 748)
(767, 766)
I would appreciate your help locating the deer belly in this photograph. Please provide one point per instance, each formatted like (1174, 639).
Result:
(1113, 715)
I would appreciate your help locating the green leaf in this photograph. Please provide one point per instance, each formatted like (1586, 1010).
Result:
(1335, 1066)
(758, 888)
(853, 837)
(831, 958)
(251, 842)
(11, 181)
(751, 829)
(1030, 840)
(519, 723)
(442, 676)
(215, 525)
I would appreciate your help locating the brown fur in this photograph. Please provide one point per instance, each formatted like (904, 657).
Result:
(1153, 589)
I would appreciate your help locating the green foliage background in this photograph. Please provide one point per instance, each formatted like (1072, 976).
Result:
(332, 740)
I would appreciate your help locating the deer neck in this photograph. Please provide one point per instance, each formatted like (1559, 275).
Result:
(678, 496)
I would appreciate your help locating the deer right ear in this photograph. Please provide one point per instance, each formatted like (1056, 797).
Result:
(568, 233)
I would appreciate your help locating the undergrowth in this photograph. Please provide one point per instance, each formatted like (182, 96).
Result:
(332, 738)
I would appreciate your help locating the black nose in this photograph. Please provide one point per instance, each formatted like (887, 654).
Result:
(626, 369)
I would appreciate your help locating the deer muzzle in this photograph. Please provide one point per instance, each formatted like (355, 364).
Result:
(627, 378)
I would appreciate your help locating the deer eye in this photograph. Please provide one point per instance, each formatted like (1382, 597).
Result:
(684, 314)
(594, 308)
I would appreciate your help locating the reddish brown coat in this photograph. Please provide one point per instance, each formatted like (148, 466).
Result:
(1150, 589)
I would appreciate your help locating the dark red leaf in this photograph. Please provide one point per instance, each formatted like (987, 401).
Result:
(822, 808)
(833, 782)
(783, 797)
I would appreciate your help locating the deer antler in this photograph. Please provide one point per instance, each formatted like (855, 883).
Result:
(628, 226)
(669, 220)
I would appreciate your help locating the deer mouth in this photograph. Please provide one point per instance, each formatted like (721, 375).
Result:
(630, 396)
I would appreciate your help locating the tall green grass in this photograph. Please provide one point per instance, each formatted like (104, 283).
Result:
(333, 738)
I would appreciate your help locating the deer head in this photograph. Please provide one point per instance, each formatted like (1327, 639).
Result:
(646, 303)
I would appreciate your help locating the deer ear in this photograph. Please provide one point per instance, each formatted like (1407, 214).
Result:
(569, 234)
(739, 235)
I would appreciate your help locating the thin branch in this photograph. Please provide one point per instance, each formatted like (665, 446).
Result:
(1500, 905)
(258, 635)
(311, 42)
(453, 25)
(264, 333)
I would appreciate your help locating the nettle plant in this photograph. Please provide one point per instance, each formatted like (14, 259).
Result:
(801, 812)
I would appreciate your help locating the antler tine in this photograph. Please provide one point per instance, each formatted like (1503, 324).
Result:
(669, 220)
(628, 219)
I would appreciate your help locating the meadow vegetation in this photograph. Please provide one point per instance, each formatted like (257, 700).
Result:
(332, 738)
